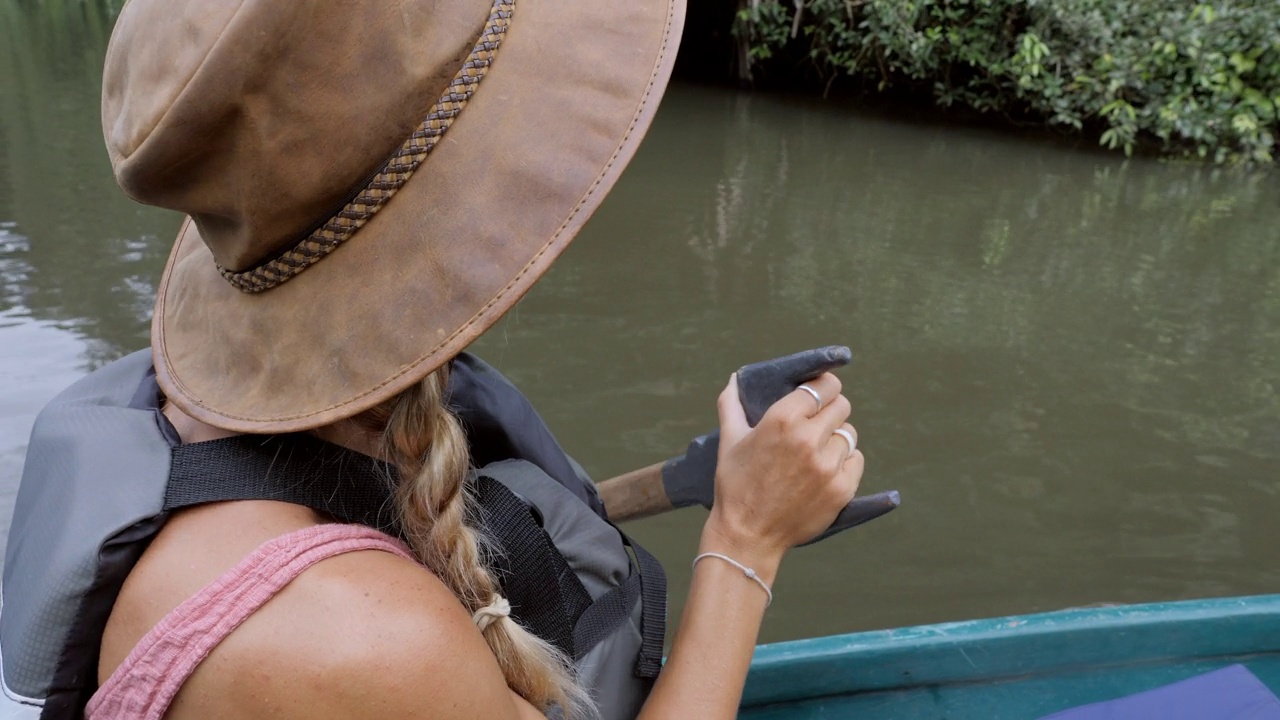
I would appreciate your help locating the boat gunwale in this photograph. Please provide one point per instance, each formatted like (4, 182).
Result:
(1020, 647)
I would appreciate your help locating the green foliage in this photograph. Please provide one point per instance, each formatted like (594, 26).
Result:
(1194, 80)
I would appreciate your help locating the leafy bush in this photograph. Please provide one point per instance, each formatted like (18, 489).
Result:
(1193, 80)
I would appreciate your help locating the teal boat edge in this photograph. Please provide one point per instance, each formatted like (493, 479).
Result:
(1019, 667)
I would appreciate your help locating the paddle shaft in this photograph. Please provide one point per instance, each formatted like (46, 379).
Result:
(634, 495)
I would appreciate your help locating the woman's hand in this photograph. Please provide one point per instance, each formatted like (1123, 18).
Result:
(777, 485)
(784, 481)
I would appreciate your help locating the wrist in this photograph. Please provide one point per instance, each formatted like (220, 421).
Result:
(755, 554)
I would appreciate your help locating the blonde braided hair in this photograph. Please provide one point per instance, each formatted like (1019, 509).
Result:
(426, 443)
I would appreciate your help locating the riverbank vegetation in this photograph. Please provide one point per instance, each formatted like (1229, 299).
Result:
(1171, 76)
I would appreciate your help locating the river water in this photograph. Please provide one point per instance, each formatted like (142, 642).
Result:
(1067, 363)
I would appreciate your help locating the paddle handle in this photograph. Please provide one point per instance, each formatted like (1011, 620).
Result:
(690, 479)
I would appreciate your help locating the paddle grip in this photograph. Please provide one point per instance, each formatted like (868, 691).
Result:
(762, 384)
(690, 478)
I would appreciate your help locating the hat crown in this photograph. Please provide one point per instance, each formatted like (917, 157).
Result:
(259, 119)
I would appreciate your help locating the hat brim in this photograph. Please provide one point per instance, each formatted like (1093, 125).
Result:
(571, 93)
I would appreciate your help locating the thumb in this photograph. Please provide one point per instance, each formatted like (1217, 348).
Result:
(733, 419)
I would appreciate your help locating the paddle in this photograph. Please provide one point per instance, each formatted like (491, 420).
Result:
(690, 478)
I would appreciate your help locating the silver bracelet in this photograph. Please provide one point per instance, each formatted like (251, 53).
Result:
(745, 571)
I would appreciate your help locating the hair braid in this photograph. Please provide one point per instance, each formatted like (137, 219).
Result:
(426, 443)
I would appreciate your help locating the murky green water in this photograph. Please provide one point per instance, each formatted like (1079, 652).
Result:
(1069, 365)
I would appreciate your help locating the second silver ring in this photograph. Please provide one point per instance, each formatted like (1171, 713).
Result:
(849, 438)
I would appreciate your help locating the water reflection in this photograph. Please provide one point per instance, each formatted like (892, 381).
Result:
(94, 256)
(36, 361)
(77, 263)
(1066, 363)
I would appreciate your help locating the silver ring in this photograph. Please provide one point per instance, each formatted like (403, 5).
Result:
(816, 397)
(849, 438)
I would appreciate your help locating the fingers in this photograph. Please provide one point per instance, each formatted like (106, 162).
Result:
(733, 419)
(848, 476)
(851, 475)
(802, 403)
(839, 448)
(833, 415)
(785, 481)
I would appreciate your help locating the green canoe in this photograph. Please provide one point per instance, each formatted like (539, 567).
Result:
(1013, 668)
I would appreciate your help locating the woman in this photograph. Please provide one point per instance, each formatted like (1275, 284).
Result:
(340, 252)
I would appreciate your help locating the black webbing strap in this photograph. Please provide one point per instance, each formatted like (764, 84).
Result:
(609, 611)
(297, 469)
(653, 614)
(606, 615)
(546, 596)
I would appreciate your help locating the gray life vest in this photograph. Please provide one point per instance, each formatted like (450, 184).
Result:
(104, 470)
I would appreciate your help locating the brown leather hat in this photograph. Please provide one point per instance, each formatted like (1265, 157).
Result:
(369, 185)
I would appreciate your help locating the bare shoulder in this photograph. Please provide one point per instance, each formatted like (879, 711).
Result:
(367, 634)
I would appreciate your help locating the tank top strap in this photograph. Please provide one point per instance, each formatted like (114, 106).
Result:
(145, 684)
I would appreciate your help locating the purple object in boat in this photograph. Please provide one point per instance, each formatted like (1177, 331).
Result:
(1232, 693)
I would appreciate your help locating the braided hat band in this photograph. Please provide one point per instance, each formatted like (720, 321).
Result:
(394, 173)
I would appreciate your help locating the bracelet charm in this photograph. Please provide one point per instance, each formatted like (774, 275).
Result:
(748, 572)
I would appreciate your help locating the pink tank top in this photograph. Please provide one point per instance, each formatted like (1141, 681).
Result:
(147, 681)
